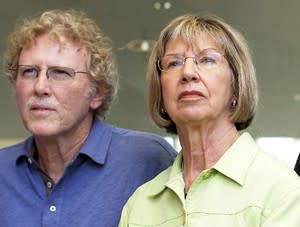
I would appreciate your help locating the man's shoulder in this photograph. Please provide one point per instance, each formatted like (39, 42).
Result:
(141, 139)
(10, 154)
(137, 135)
(15, 148)
(132, 144)
(128, 134)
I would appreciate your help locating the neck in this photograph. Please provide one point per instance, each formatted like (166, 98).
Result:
(56, 153)
(202, 147)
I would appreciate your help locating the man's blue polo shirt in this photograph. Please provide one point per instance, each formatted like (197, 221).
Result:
(110, 165)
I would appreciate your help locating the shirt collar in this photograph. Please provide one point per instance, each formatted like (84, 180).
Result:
(234, 164)
(237, 160)
(95, 147)
(172, 178)
(24, 150)
(98, 141)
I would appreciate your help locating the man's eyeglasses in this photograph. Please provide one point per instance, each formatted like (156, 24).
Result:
(206, 60)
(56, 75)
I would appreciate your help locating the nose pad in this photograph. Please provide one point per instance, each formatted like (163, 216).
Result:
(190, 70)
(41, 85)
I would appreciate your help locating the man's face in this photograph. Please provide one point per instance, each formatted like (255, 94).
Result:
(50, 107)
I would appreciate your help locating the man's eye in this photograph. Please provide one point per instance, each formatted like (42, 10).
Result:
(59, 74)
(28, 72)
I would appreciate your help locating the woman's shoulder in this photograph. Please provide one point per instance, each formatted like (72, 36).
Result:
(275, 166)
(277, 174)
(151, 188)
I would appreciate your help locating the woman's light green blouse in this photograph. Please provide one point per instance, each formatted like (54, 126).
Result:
(245, 188)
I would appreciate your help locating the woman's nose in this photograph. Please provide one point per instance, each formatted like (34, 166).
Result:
(190, 71)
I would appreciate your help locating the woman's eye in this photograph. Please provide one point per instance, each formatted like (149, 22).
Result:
(207, 60)
(174, 63)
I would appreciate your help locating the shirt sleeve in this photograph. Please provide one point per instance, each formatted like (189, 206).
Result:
(286, 213)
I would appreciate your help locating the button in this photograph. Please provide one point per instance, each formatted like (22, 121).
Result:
(206, 175)
(49, 184)
(52, 208)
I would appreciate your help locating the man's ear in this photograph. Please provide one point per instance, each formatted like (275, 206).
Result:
(98, 96)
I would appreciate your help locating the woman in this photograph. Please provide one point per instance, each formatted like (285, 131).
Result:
(202, 87)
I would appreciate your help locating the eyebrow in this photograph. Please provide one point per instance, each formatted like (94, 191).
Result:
(206, 49)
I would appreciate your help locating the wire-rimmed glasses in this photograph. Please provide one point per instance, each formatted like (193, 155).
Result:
(58, 76)
(206, 60)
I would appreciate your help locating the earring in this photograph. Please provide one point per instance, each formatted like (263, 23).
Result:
(233, 104)
(164, 114)
(162, 110)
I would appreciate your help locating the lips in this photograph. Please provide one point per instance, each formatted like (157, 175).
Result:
(190, 95)
(37, 107)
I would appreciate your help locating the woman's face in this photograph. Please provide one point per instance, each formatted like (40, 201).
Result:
(196, 87)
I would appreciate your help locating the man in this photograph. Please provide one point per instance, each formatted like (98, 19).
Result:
(74, 170)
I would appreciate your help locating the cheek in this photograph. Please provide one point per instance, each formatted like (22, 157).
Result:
(80, 99)
(168, 86)
(228, 84)
(21, 96)
(165, 86)
(169, 95)
(223, 87)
